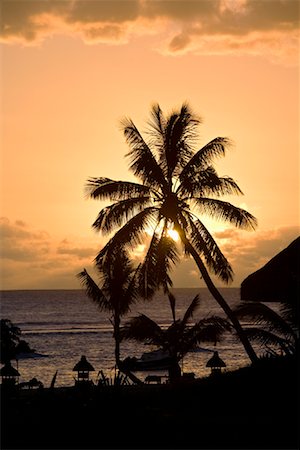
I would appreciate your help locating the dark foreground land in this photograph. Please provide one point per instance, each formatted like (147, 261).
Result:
(247, 409)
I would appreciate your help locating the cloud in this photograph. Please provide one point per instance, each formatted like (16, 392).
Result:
(249, 252)
(255, 27)
(32, 259)
(81, 253)
(19, 243)
(246, 252)
(116, 11)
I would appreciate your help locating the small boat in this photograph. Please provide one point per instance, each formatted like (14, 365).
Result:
(155, 360)
(201, 350)
(27, 355)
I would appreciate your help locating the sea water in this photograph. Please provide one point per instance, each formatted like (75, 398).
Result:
(62, 325)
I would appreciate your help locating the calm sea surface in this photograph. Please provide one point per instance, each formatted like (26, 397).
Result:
(65, 324)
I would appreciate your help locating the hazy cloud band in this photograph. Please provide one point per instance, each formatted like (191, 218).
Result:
(201, 26)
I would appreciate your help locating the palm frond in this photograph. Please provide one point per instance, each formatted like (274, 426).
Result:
(290, 313)
(147, 273)
(131, 293)
(207, 182)
(191, 310)
(261, 314)
(94, 292)
(167, 257)
(157, 125)
(227, 212)
(203, 157)
(267, 338)
(205, 244)
(172, 301)
(142, 329)
(105, 188)
(117, 274)
(211, 329)
(142, 161)
(117, 214)
(180, 132)
(161, 256)
(130, 235)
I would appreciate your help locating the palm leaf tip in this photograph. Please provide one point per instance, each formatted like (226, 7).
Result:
(191, 309)
(82, 275)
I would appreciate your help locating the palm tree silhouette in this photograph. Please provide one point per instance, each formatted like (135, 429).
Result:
(180, 337)
(272, 329)
(176, 182)
(118, 291)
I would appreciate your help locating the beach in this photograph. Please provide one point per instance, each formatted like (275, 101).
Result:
(251, 408)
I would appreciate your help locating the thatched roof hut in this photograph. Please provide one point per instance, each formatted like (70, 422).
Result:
(83, 366)
(9, 371)
(9, 375)
(215, 361)
(278, 280)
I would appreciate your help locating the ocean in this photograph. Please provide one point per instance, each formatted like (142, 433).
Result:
(62, 325)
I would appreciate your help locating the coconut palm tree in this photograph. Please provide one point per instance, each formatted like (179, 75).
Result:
(117, 292)
(180, 337)
(176, 183)
(271, 329)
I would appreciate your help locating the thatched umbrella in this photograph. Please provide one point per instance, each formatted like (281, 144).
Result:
(83, 367)
(215, 363)
(278, 280)
(9, 374)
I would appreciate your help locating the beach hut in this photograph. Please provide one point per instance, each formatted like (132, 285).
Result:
(216, 364)
(9, 375)
(83, 368)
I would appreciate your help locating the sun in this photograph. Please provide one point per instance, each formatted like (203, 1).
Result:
(170, 232)
(173, 234)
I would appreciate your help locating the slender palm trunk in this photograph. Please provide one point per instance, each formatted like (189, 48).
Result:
(220, 299)
(117, 339)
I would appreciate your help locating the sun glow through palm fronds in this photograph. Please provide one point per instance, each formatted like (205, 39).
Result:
(178, 186)
(173, 234)
(170, 232)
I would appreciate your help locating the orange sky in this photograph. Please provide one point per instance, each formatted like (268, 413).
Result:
(72, 69)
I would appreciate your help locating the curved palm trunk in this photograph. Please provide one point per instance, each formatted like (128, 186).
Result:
(220, 299)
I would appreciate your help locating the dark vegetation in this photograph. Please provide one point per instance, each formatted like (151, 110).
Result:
(180, 337)
(11, 343)
(251, 408)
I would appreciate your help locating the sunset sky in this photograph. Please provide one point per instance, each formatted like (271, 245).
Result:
(71, 70)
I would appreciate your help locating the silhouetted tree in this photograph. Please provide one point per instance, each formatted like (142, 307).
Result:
(277, 330)
(118, 290)
(176, 183)
(11, 343)
(10, 337)
(180, 337)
